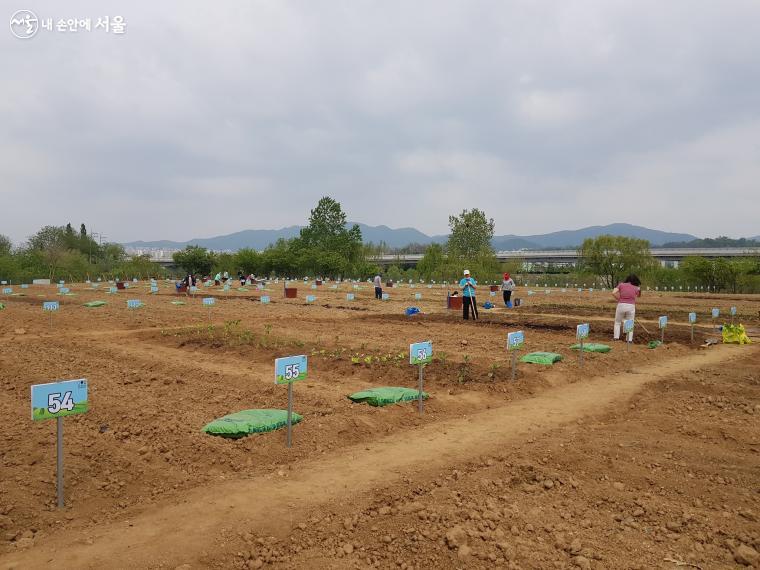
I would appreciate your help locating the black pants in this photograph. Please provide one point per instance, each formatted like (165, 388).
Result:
(469, 304)
(507, 297)
(378, 293)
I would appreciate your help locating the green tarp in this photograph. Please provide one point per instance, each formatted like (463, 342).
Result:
(2, 306)
(92, 304)
(654, 343)
(386, 395)
(591, 347)
(541, 358)
(178, 302)
(241, 424)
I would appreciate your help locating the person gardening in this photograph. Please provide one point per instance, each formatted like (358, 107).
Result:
(469, 302)
(507, 286)
(626, 294)
(378, 287)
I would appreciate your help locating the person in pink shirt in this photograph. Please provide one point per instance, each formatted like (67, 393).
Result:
(626, 294)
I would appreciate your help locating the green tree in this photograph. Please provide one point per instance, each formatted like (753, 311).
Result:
(248, 261)
(325, 246)
(611, 258)
(471, 234)
(6, 245)
(432, 263)
(194, 259)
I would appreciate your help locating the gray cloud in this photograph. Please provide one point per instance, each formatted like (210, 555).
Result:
(204, 119)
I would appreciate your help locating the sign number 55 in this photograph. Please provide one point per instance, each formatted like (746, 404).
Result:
(56, 403)
(291, 371)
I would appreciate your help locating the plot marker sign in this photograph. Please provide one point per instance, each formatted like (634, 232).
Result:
(420, 354)
(628, 330)
(515, 341)
(692, 320)
(288, 370)
(581, 333)
(55, 401)
(662, 322)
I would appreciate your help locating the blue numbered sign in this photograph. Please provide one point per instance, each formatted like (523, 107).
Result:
(692, 318)
(193, 289)
(582, 331)
(25, 286)
(386, 296)
(7, 290)
(515, 340)
(290, 369)
(662, 321)
(134, 304)
(733, 311)
(310, 298)
(63, 290)
(50, 306)
(628, 326)
(350, 297)
(715, 313)
(421, 352)
(265, 299)
(208, 301)
(418, 296)
(154, 288)
(58, 399)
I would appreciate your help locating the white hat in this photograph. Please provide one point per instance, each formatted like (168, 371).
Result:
(466, 271)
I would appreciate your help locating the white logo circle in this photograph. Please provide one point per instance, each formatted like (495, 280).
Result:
(24, 24)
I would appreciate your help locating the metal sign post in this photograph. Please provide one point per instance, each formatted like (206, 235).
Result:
(288, 370)
(663, 323)
(421, 354)
(628, 331)
(515, 341)
(582, 332)
(692, 320)
(56, 400)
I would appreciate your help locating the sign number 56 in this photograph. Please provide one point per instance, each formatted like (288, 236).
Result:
(56, 403)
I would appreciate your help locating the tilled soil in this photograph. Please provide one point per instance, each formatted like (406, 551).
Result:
(485, 492)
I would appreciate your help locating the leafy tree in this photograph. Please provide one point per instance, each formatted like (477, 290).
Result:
(5, 245)
(432, 263)
(248, 261)
(194, 259)
(611, 258)
(327, 231)
(82, 231)
(471, 234)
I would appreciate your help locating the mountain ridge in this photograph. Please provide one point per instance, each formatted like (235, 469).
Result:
(400, 237)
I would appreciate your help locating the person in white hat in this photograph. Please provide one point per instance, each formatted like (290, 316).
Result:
(469, 302)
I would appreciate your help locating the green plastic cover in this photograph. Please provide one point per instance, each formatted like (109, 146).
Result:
(178, 302)
(542, 358)
(2, 306)
(654, 343)
(242, 289)
(591, 347)
(92, 304)
(241, 424)
(386, 395)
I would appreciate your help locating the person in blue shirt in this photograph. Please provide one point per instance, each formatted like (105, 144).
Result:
(469, 302)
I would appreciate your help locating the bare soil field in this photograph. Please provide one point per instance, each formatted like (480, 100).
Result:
(640, 459)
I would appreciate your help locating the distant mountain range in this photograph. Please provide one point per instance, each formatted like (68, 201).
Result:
(400, 237)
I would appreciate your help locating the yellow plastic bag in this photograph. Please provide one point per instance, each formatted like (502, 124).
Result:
(735, 334)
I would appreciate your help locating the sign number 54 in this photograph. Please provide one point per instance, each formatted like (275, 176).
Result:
(56, 403)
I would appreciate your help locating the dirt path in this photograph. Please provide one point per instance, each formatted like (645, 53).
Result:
(183, 533)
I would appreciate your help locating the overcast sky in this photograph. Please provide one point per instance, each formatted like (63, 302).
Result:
(205, 118)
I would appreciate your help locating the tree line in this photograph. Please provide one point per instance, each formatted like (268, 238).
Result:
(327, 248)
(60, 252)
